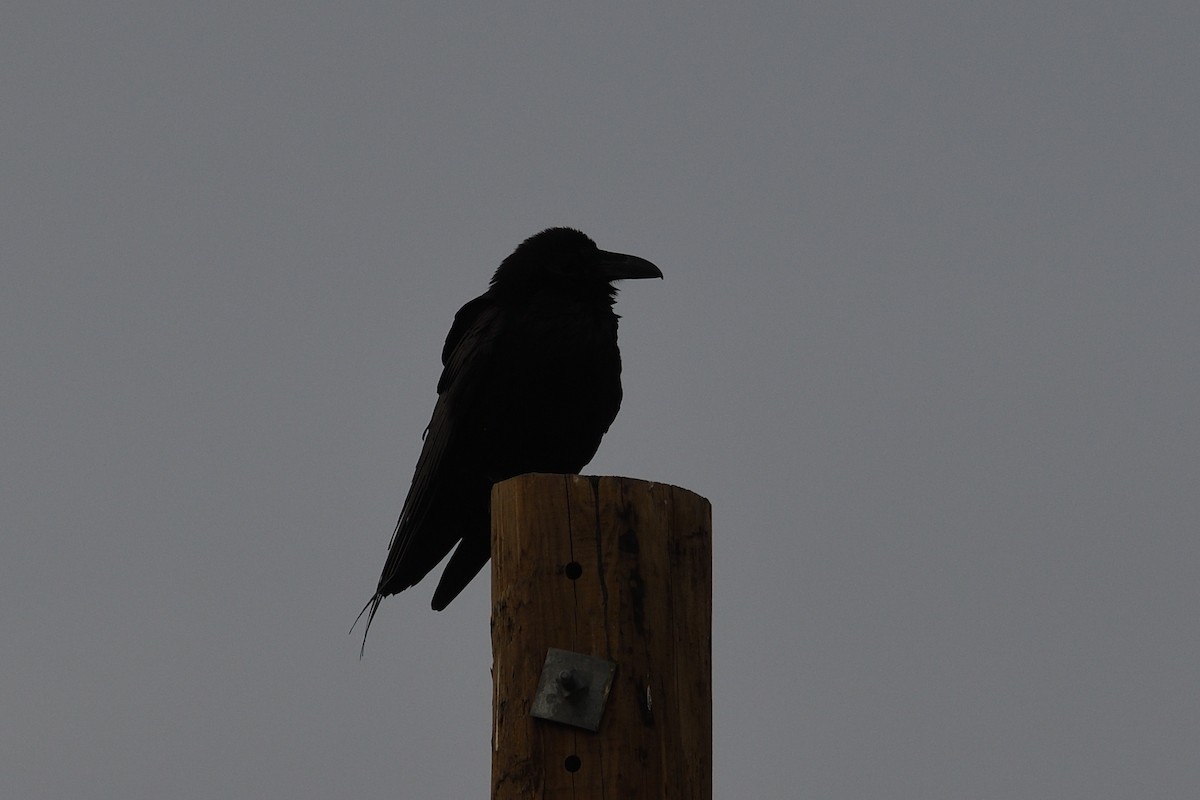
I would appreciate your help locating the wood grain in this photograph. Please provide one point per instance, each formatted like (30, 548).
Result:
(643, 598)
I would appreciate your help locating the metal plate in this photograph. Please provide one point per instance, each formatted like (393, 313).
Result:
(573, 689)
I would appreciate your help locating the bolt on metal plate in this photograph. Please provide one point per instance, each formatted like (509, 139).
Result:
(573, 689)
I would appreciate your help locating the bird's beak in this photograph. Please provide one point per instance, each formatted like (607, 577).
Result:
(618, 266)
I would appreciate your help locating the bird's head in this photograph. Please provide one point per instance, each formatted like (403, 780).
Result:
(567, 258)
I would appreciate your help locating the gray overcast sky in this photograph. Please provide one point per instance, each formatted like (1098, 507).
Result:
(928, 340)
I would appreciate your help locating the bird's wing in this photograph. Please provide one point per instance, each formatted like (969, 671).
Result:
(466, 361)
(471, 338)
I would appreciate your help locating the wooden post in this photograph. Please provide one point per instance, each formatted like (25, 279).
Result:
(615, 568)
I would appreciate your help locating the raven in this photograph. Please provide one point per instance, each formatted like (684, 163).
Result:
(531, 381)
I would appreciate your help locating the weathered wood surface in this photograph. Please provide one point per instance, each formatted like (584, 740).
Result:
(642, 598)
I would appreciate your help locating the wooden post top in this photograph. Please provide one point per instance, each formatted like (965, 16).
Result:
(616, 569)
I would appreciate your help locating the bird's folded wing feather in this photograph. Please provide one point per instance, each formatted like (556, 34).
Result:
(466, 361)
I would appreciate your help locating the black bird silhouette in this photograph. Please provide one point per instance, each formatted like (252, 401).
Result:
(531, 381)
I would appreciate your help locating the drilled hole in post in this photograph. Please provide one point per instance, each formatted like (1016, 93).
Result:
(573, 570)
(572, 763)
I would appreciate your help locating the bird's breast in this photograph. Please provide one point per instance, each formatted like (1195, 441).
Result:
(554, 392)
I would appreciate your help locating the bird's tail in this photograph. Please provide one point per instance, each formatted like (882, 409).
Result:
(372, 604)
